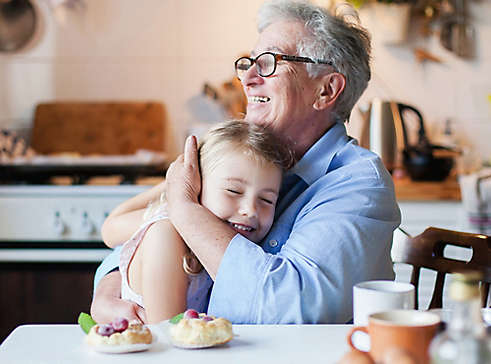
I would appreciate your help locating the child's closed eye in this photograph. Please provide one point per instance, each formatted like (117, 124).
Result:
(267, 200)
(235, 192)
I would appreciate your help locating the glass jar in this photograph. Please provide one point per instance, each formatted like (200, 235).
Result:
(464, 340)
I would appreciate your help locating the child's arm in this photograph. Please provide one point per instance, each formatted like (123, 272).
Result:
(163, 280)
(126, 218)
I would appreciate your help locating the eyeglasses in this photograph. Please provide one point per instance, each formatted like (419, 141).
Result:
(266, 63)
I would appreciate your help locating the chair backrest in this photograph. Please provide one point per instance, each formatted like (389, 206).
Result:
(427, 251)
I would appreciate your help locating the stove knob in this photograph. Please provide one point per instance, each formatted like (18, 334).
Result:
(86, 227)
(59, 226)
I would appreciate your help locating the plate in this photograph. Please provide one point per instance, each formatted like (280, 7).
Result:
(192, 346)
(120, 349)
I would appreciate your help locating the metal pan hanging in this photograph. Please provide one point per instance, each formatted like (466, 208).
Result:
(17, 24)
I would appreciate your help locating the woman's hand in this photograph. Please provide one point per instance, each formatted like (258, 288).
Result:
(108, 305)
(183, 178)
(195, 223)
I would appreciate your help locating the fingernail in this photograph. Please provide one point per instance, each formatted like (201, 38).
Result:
(191, 139)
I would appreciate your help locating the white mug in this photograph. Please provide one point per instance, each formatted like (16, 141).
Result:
(377, 296)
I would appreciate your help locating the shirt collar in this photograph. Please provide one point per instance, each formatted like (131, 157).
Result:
(315, 162)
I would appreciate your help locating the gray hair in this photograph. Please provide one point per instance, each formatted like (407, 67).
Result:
(346, 45)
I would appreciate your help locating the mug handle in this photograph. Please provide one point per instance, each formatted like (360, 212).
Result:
(350, 335)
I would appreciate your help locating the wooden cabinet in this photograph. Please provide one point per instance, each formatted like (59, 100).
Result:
(43, 293)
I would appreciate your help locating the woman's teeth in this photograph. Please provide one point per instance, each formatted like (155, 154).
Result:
(258, 99)
(241, 227)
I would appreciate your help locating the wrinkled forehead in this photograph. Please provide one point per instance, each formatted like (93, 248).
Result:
(274, 49)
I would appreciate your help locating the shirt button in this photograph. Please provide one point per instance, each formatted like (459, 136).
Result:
(273, 243)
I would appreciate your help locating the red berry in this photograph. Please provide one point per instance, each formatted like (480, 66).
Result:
(105, 330)
(120, 324)
(207, 318)
(191, 314)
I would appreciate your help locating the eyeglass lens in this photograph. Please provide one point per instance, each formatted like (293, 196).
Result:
(265, 63)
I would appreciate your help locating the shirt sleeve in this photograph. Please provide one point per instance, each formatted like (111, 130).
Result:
(337, 239)
(110, 263)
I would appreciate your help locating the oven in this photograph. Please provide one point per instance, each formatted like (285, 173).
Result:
(53, 203)
(50, 247)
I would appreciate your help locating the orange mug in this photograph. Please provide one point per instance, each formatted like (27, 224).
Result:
(410, 331)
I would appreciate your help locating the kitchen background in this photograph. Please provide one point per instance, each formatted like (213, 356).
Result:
(166, 50)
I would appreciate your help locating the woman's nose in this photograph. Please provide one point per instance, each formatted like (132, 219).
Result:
(251, 77)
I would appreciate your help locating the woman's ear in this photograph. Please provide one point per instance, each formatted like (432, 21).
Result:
(331, 86)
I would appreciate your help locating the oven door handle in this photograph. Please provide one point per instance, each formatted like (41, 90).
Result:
(53, 255)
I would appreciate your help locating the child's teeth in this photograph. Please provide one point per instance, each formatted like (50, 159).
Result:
(241, 227)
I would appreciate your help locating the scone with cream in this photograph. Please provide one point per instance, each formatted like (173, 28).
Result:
(119, 332)
(200, 330)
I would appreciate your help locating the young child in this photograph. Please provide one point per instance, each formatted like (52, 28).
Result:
(241, 168)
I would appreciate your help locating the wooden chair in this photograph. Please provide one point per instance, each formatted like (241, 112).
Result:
(426, 251)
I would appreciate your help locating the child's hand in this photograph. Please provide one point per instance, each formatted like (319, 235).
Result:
(107, 303)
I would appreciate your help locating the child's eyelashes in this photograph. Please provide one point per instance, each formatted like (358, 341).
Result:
(235, 192)
(238, 192)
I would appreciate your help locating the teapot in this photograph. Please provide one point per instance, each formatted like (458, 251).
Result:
(385, 133)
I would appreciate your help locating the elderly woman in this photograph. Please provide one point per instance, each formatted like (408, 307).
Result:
(337, 210)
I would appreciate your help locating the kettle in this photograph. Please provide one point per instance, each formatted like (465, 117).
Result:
(385, 133)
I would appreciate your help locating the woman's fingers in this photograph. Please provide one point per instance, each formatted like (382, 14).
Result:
(193, 178)
(183, 179)
(191, 152)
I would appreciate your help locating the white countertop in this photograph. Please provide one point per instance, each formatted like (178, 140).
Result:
(253, 344)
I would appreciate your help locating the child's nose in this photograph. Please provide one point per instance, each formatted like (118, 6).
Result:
(248, 207)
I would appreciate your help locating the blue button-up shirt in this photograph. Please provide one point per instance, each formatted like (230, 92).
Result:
(332, 229)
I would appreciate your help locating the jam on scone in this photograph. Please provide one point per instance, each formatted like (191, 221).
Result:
(200, 330)
(119, 332)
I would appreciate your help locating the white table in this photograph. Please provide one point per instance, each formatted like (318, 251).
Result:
(252, 344)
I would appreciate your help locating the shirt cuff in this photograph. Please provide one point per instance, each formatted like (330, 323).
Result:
(234, 293)
(110, 263)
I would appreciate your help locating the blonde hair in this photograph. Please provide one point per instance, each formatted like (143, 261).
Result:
(255, 141)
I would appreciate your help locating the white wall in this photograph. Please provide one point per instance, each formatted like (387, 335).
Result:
(166, 49)
(127, 50)
(455, 89)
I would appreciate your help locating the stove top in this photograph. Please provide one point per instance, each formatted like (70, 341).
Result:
(79, 174)
(112, 180)
(58, 213)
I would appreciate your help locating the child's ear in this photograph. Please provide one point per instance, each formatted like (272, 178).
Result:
(330, 87)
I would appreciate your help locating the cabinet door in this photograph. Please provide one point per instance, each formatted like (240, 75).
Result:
(43, 293)
(416, 216)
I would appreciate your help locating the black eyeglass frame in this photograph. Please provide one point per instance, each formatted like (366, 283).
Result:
(280, 57)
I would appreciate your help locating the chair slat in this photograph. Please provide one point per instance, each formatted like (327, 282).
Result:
(427, 251)
(415, 283)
